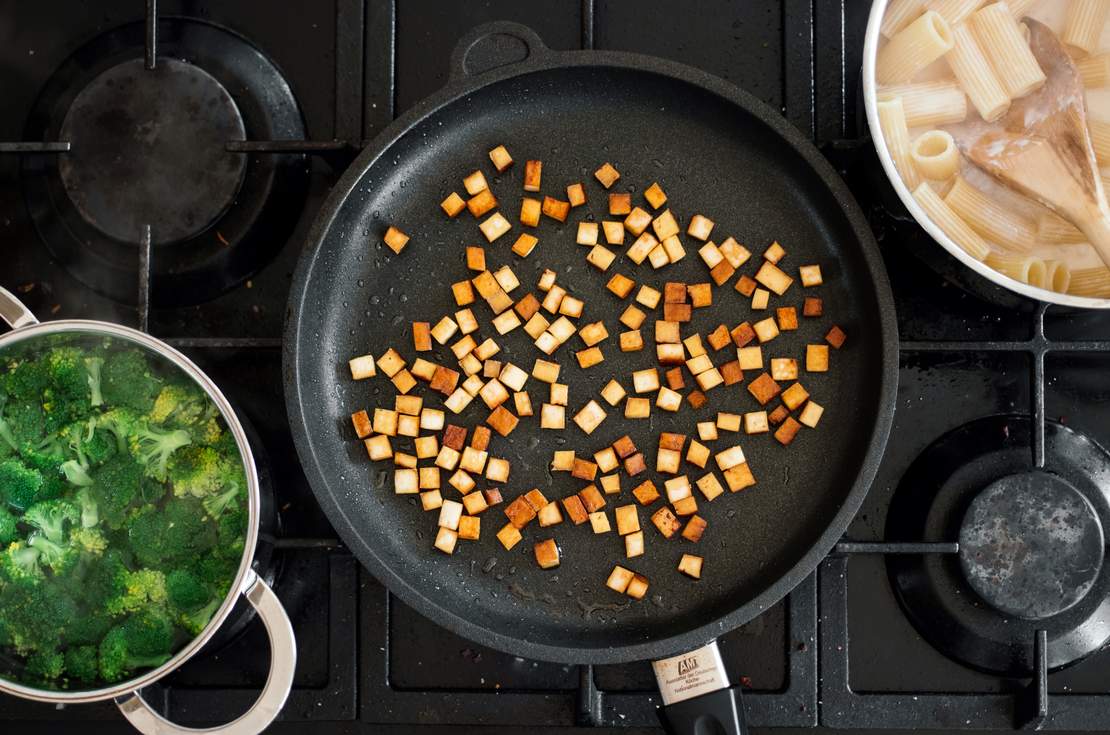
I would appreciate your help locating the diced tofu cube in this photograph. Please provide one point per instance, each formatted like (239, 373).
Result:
(698, 454)
(431, 500)
(619, 579)
(576, 195)
(583, 469)
(562, 460)
(601, 257)
(549, 515)
(446, 540)
(502, 421)
(648, 297)
(690, 565)
(766, 330)
(668, 400)
(668, 461)
(694, 529)
(620, 203)
(405, 481)
(764, 388)
(547, 553)
(645, 381)
(589, 357)
(700, 227)
(378, 447)
(497, 469)
(787, 430)
(638, 587)
(664, 520)
(645, 493)
(730, 457)
(607, 175)
(709, 486)
(553, 417)
(735, 253)
(634, 544)
(470, 527)
(533, 174)
(770, 276)
(520, 512)
(363, 367)
(677, 488)
(810, 275)
(474, 503)
(811, 414)
(739, 477)
(555, 209)
(613, 393)
(395, 240)
(610, 484)
(614, 232)
(755, 422)
(599, 522)
(813, 306)
(449, 514)
(500, 158)
(817, 358)
(784, 368)
(655, 196)
(587, 233)
(627, 519)
(635, 464)
(509, 536)
(530, 211)
(575, 510)
(495, 227)
(606, 459)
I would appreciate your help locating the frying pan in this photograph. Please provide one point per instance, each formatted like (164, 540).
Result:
(715, 150)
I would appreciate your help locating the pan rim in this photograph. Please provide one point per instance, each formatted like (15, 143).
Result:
(649, 648)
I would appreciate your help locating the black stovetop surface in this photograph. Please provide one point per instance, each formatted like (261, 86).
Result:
(369, 664)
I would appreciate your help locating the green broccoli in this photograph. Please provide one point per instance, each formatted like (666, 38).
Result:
(204, 472)
(35, 614)
(22, 424)
(105, 581)
(142, 641)
(90, 516)
(153, 447)
(185, 591)
(120, 423)
(51, 517)
(46, 665)
(115, 486)
(183, 405)
(93, 366)
(8, 530)
(172, 534)
(88, 541)
(76, 474)
(25, 380)
(140, 589)
(66, 397)
(59, 557)
(216, 571)
(82, 663)
(87, 445)
(53, 476)
(194, 622)
(89, 629)
(126, 380)
(20, 485)
(19, 561)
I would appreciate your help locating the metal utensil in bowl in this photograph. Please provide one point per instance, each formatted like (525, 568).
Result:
(871, 98)
(283, 651)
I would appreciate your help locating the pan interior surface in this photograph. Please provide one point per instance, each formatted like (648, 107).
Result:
(711, 156)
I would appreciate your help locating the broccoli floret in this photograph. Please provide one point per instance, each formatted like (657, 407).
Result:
(89, 629)
(45, 666)
(22, 424)
(105, 581)
(19, 561)
(20, 485)
(60, 557)
(86, 445)
(153, 447)
(54, 483)
(142, 641)
(82, 664)
(8, 530)
(66, 397)
(183, 406)
(185, 591)
(25, 380)
(120, 423)
(35, 614)
(142, 588)
(115, 486)
(90, 515)
(93, 366)
(126, 380)
(194, 621)
(204, 472)
(172, 534)
(52, 517)
(231, 528)
(216, 571)
(88, 541)
(76, 474)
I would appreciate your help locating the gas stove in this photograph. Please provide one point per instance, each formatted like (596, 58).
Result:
(190, 227)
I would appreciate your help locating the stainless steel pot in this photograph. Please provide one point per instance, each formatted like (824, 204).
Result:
(870, 96)
(283, 649)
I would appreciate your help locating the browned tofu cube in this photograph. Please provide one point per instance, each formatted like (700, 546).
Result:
(520, 512)
(635, 464)
(655, 196)
(674, 293)
(794, 396)
(480, 439)
(666, 522)
(667, 332)
(444, 380)
(731, 373)
(530, 212)
(556, 209)
(500, 158)
(743, 334)
(470, 527)
(694, 529)
(576, 195)
(675, 381)
(533, 174)
(690, 565)
(770, 276)
(362, 424)
(631, 341)
(481, 202)
(619, 579)
(719, 337)
(475, 258)
(621, 285)
(549, 515)
(646, 493)
(536, 499)
(685, 506)
(547, 554)
(492, 495)
(421, 336)
(812, 306)
(527, 306)
(721, 272)
(624, 447)
(739, 477)
(836, 337)
(607, 175)
(502, 420)
(787, 317)
(620, 203)
(583, 469)
(395, 240)
(509, 536)
(446, 540)
(787, 431)
(668, 440)
(454, 437)
(592, 498)
(453, 205)
(746, 285)
(696, 399)
(627, 519)
(810, 275)
(777, 416)
(764, 388)
(576, 511)
(638, 587)
(677, 312)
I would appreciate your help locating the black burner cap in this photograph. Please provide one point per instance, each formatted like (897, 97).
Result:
(1031, 545)
(148, 148)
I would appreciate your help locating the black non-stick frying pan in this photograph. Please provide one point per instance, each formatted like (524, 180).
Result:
(715, 150)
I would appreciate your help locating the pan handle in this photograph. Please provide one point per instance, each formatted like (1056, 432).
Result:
(494, 45)
(283, 660)
(697, 699)
(14, 312)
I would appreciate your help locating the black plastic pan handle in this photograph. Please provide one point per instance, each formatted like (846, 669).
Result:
(494, 45)
(697, 699)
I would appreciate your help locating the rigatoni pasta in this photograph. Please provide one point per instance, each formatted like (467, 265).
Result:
(1057, 276)
(1094, 70)
(1100, 140)
(950, 222)
(989, 219)
(955, 11)
(1018, 8)
(1001, 39)
(1084, 23)
(935, 155)
(929, 104)
(976, 75)
(899, 14)
(892, 121)
(913, 48)
(1020, 267)
(1090, 282)
(1053, 229)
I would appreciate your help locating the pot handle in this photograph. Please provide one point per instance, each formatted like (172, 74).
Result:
(493, 45)
(14, 312)
(697, 699)
(283, 660)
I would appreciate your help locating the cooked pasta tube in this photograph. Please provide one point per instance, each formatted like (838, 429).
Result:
(955, 11)
(935, 155)
(1019, 8)
(1005, 47)
(892, 121)
(1092, 282)
(976, 75)
(950, 222)
(1095, 70)
(991, 220)
(1054, 229)
(1024, 268)
(1058, 276)
(899, 14)
(1100, 140)
(912, 49)
(1084, 23)
(929, 104)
